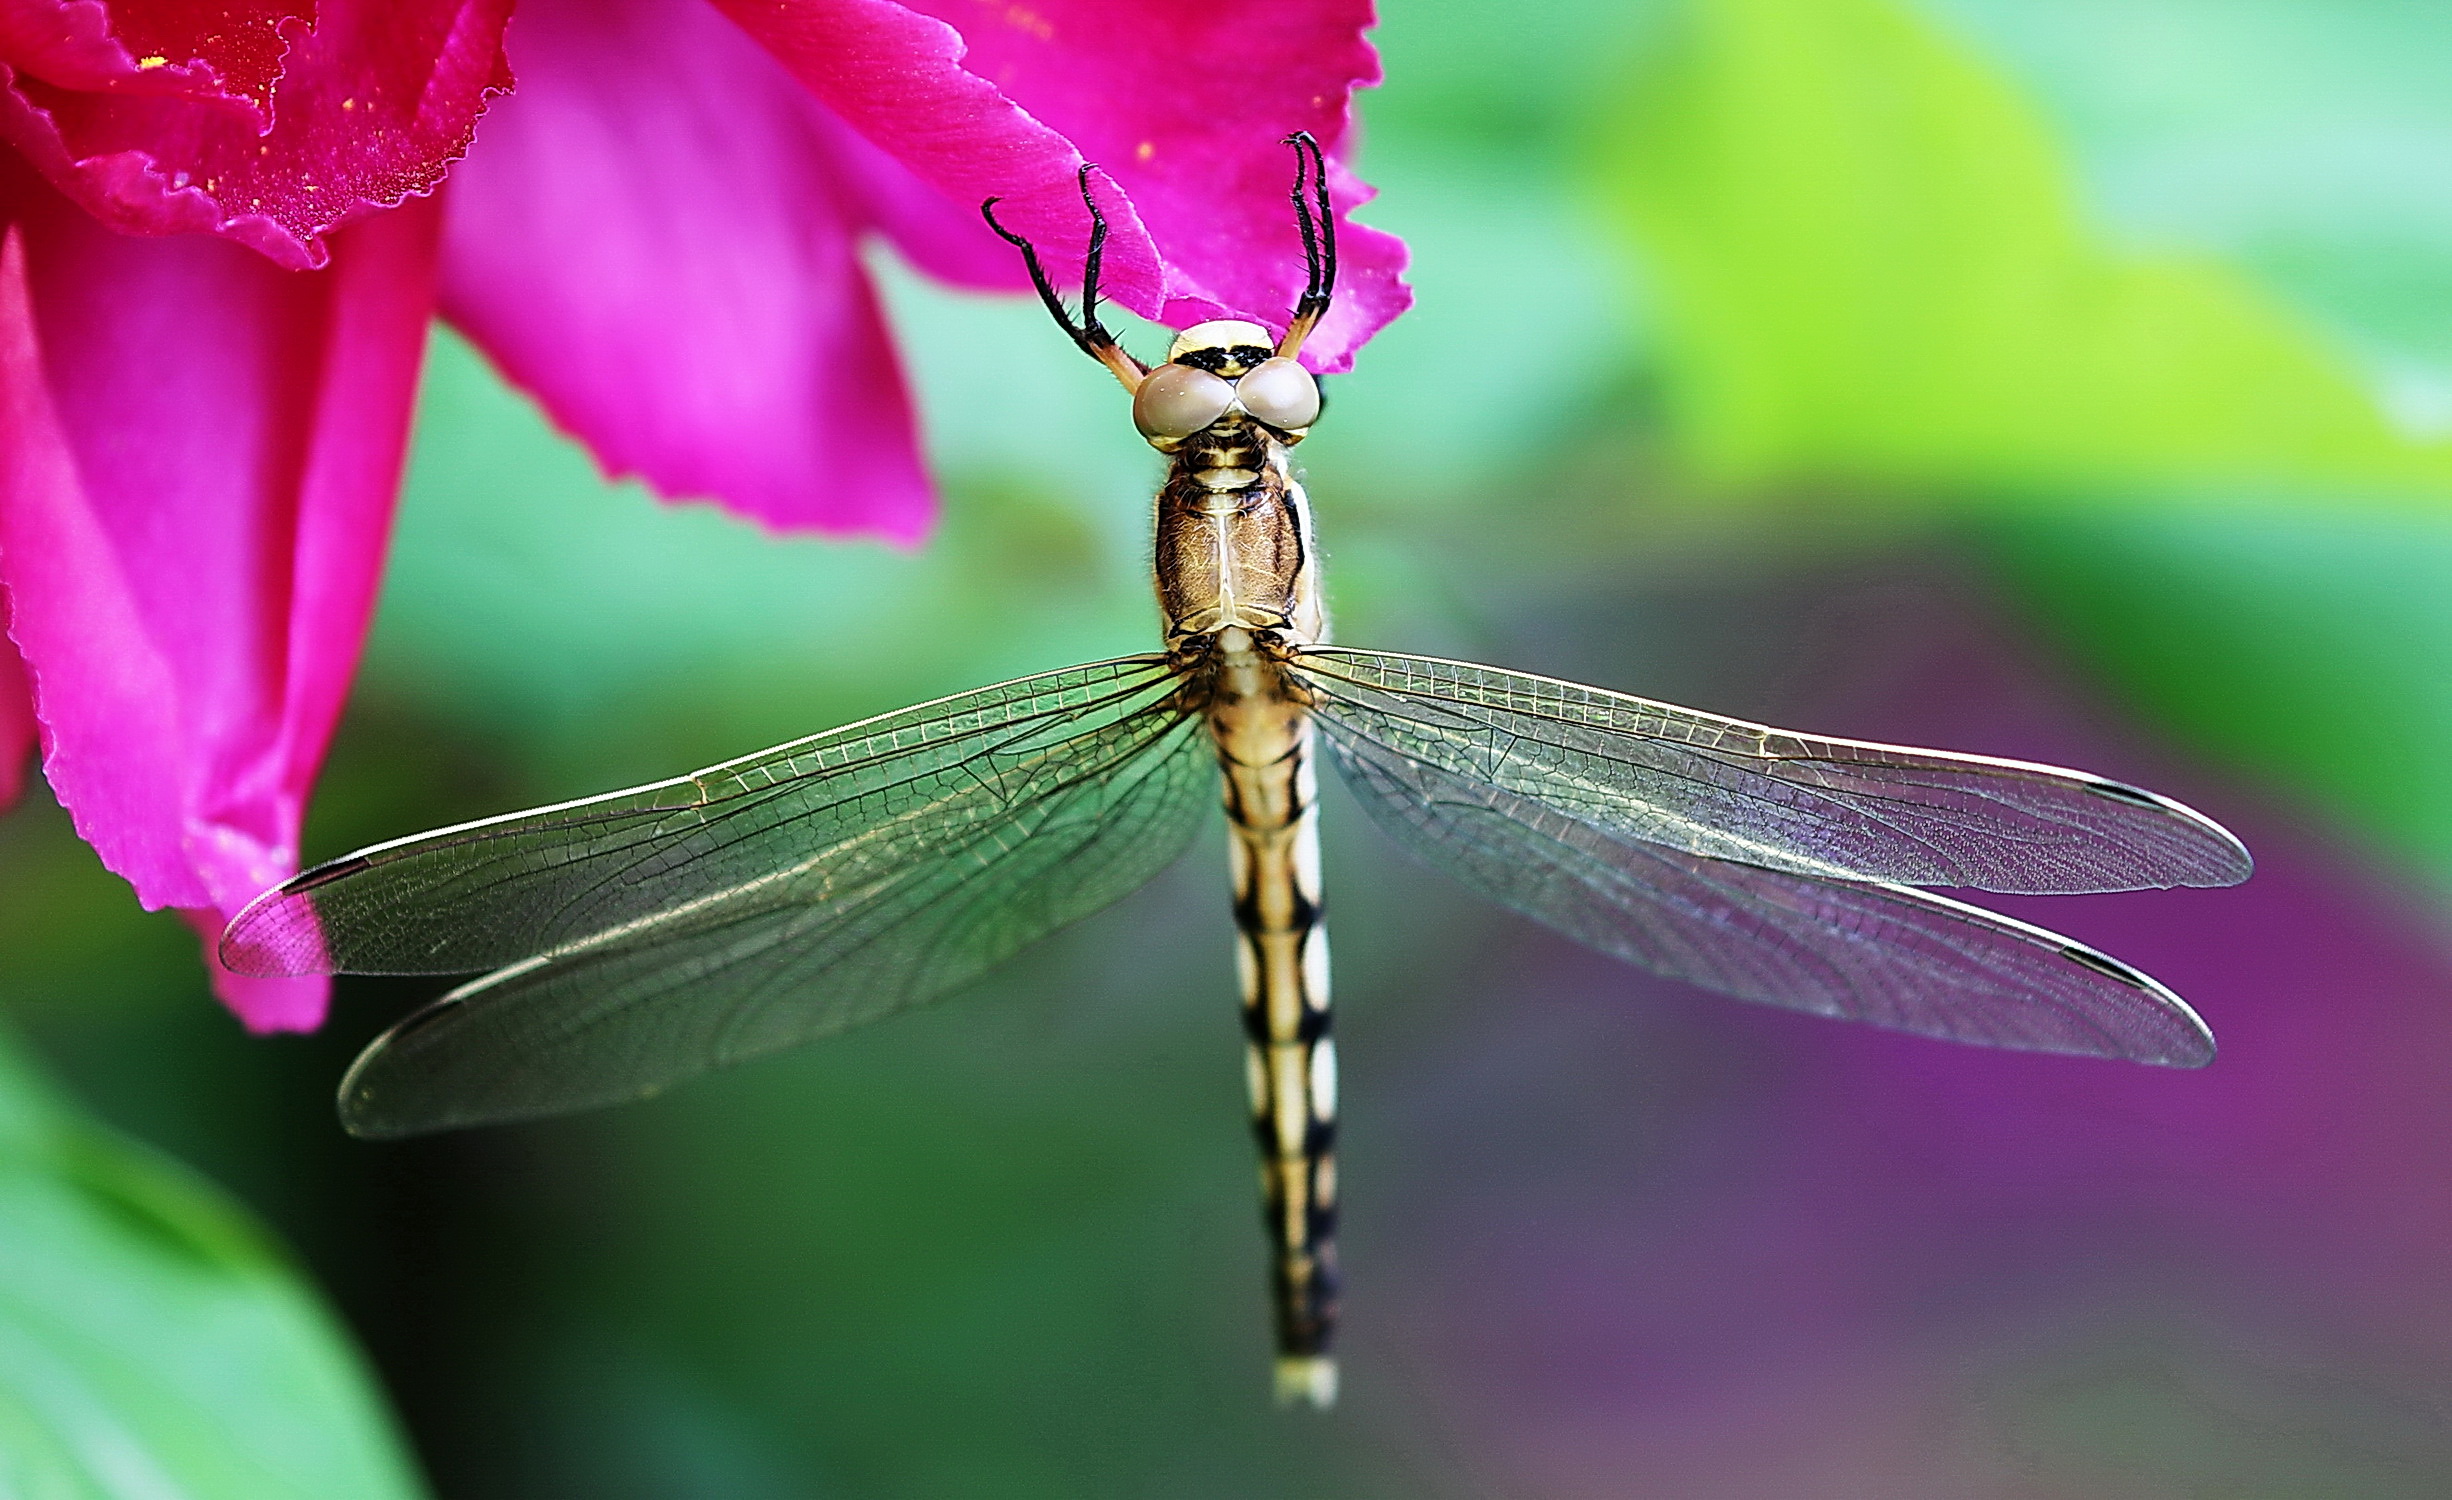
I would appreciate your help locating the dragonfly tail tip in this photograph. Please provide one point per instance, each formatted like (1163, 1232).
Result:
(1306, 1380)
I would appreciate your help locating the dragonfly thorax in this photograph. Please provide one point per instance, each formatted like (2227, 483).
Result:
(1233, 543)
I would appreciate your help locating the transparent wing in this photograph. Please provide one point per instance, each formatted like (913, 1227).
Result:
(1878, 953)
(788, 821)
(1696, 782)
(1015, 842)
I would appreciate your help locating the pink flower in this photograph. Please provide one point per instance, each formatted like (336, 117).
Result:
(220, 242)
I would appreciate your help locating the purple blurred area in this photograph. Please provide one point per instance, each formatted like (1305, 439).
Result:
(1658, 1244)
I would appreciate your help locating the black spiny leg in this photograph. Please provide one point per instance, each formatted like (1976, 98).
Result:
(1317, 219)
(1089, 333)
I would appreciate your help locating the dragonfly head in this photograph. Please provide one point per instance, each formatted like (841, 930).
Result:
(1217, 368)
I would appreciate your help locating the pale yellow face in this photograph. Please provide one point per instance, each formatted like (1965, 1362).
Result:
(1229, 343)
(1217, 369)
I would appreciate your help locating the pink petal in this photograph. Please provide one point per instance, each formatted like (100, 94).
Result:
(233, 50)
(16, 715)
(1180, 102)
(198, 454)
(658, 238)
(371, 105)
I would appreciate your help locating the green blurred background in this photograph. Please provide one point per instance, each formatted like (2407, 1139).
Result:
(2068, 378)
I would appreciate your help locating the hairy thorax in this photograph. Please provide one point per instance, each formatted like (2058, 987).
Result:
(1234, 540)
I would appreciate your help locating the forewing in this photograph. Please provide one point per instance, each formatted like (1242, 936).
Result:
(528, 884)
(1879, 953)
(913, 906)
(1696, 782)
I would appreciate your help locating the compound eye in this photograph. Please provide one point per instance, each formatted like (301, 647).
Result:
(1280, 393)
(1176, 401)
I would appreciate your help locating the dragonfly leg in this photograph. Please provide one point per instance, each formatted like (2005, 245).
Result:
(1092, 335)
(1316, 218)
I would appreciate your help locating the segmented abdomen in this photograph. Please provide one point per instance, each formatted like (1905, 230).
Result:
(1264, 741)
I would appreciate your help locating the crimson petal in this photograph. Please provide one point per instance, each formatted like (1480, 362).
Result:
(659, 240)
(1180, 102)
(232, 50)
(16, 715)
(198, 454)
(370, 105)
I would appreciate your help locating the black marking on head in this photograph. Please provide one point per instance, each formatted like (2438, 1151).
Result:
(2106, 965)
(1228, 361)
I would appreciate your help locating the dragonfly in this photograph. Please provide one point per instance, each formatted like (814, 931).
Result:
(638, 939)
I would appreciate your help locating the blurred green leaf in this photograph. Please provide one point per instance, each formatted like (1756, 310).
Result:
(2305, 141)
(2302, 646)
(1869, 263)
(153, 1345)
